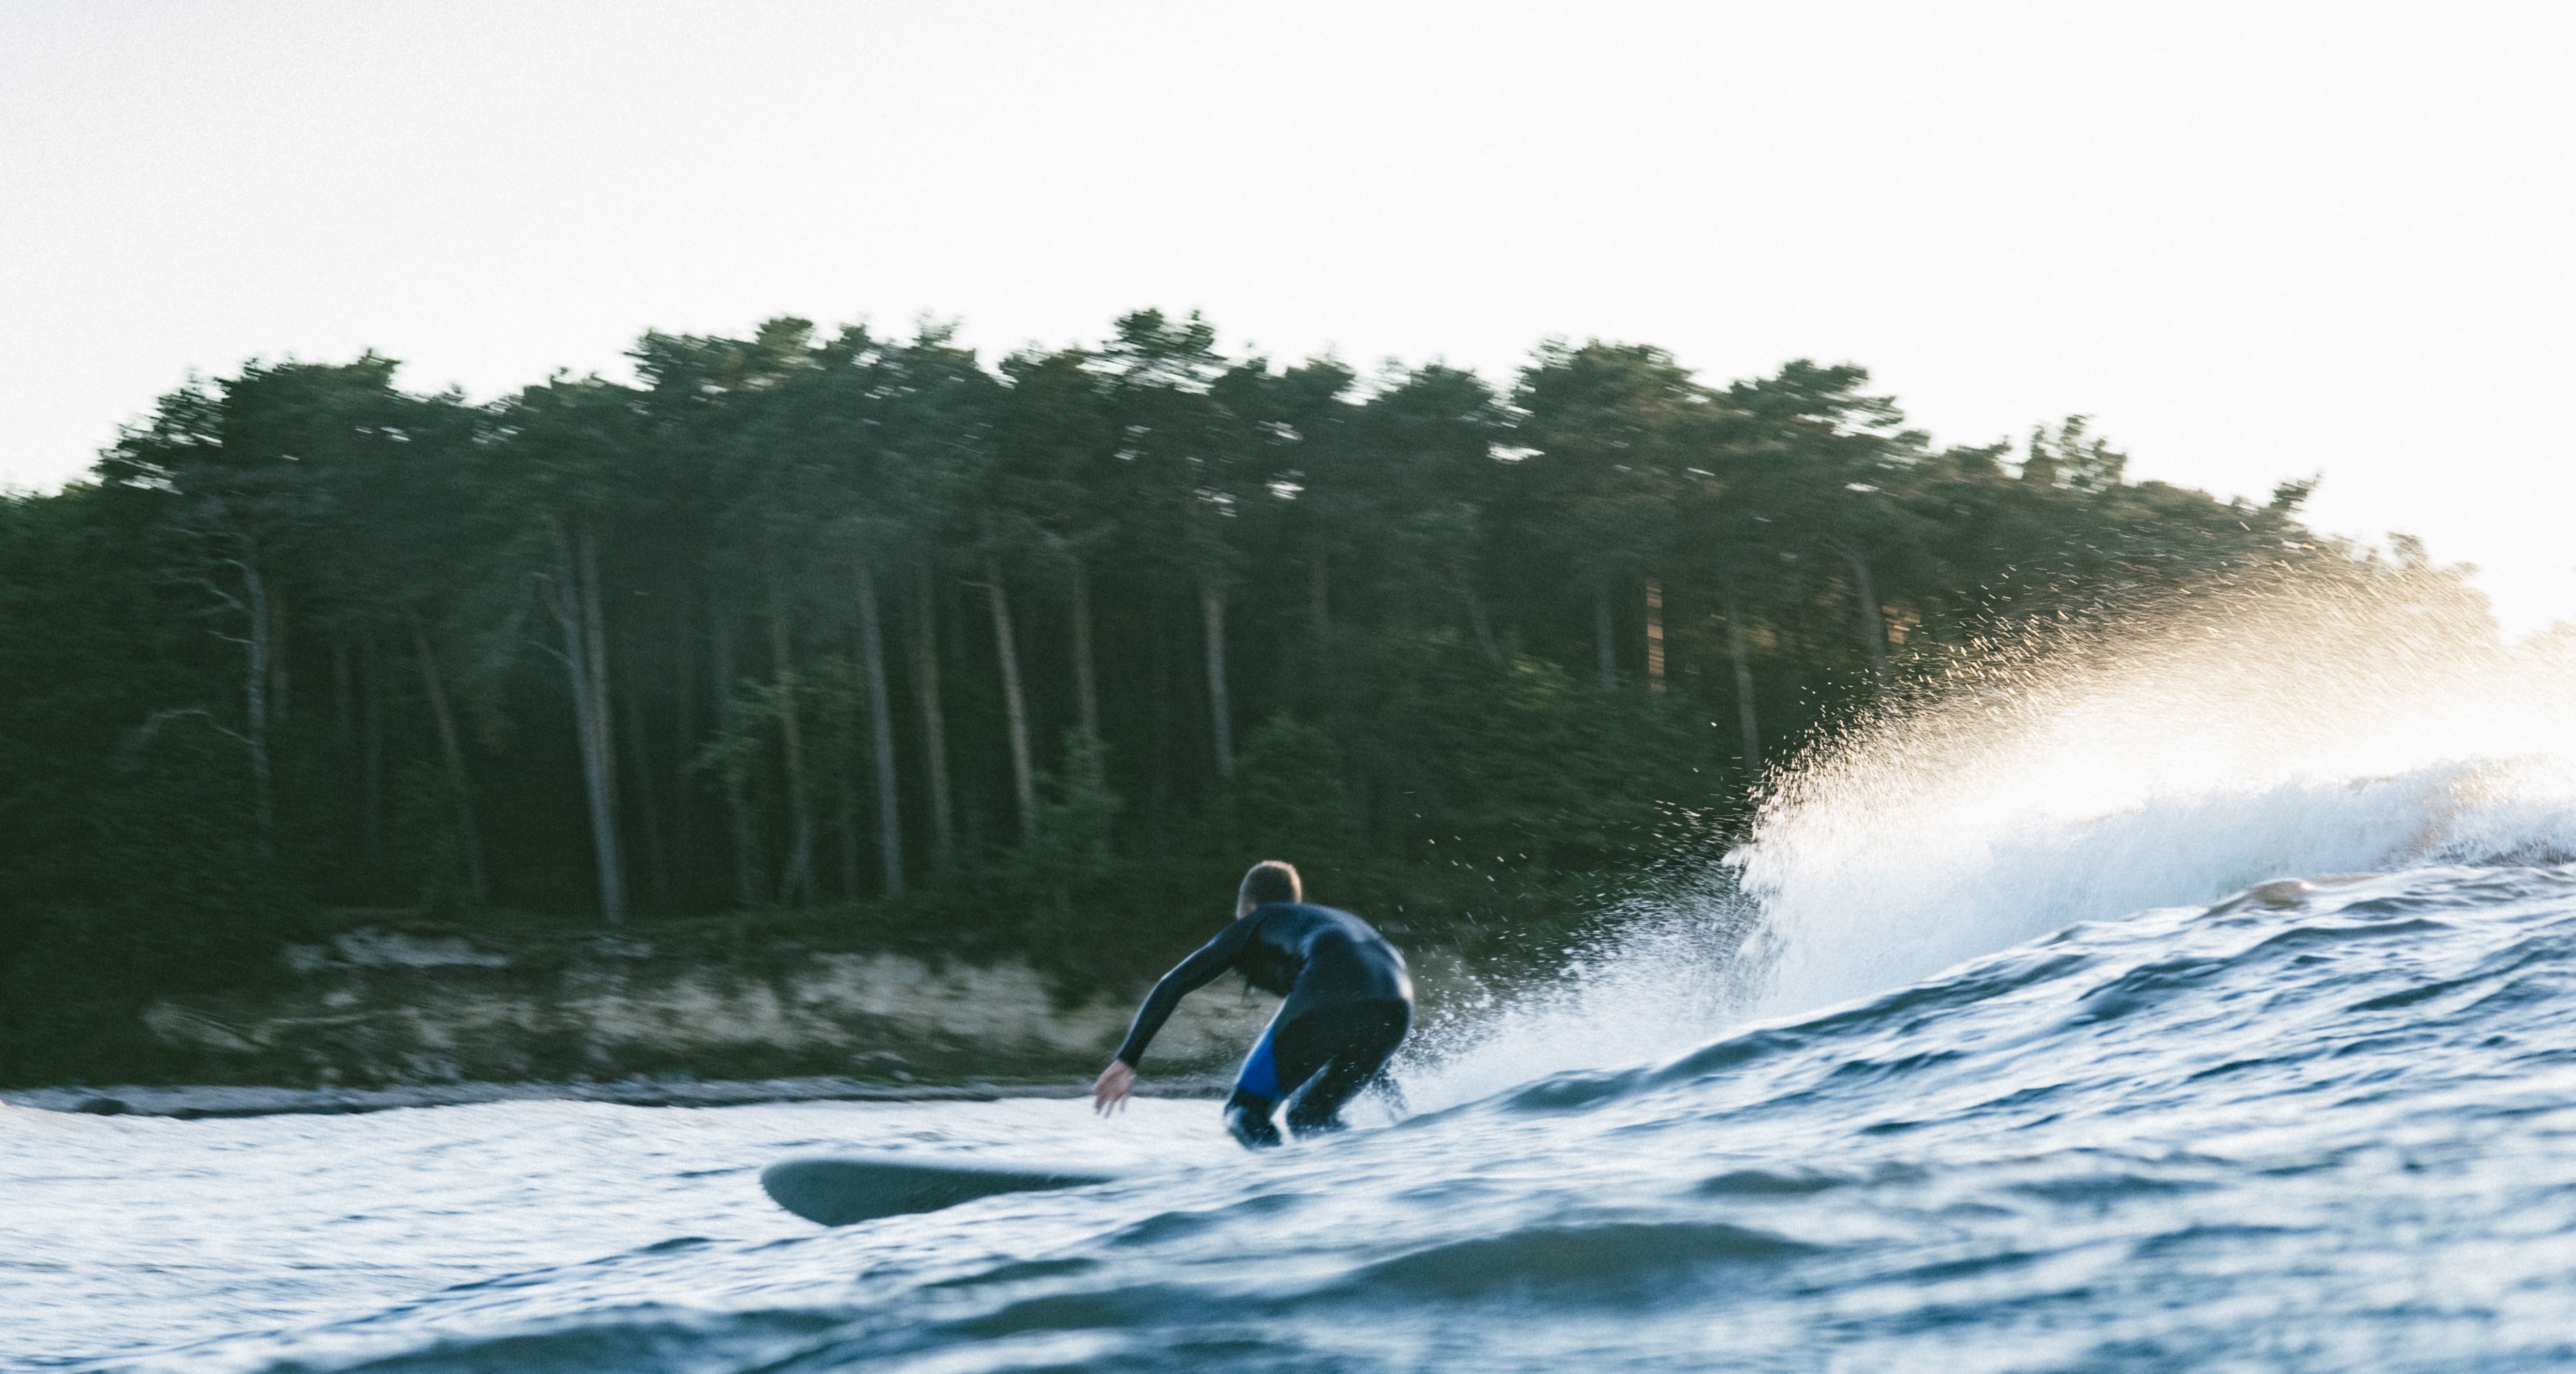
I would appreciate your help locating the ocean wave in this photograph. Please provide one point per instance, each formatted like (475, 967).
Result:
(2264, 732)
(2316, 1124)
(2202, 1000)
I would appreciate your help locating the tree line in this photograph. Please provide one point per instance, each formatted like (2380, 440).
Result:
(1022, 654)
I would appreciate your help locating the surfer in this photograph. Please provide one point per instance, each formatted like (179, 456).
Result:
(1348, 1004)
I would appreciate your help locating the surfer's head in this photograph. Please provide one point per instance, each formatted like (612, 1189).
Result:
(1269, 881)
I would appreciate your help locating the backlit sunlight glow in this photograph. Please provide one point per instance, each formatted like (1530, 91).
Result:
(2282, 727)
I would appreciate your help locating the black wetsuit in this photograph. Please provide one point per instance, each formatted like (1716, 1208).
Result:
(1349, 1003)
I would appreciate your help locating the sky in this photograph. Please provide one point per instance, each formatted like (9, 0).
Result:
(2255, 242)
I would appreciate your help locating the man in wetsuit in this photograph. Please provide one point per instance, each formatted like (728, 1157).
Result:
(1348, 1004)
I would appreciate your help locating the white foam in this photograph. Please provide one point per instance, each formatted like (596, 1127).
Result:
(2290, 729)
(1662, 976)
(2291, 726)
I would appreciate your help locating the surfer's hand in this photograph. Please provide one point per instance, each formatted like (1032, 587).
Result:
(1117, 1084)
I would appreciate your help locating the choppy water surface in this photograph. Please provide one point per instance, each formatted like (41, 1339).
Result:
(2334, 1134)
(1988, 1072)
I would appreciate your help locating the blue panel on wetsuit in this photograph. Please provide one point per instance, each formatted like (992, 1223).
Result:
(1260, 1075)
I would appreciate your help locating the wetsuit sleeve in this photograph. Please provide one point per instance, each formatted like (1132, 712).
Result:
(1188, 976)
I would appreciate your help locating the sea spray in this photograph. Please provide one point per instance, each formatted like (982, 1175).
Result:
(2280, 724)
(2285, 724)
(2322, 1126)
(1662, 969)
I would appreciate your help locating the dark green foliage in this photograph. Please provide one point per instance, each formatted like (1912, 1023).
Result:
(429, 843)
(187, 900)
(187, 884)
(1480, 657)
(1292, 795)
(1073, 890)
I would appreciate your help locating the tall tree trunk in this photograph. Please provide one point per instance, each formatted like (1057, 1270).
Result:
(1654, 635)
(280, 642)
(1220, 713)
(639, 768)
(1478, 620)
(1364, 792)
(796, 883)
(845, 791)
(603, 722)
(1743, 684)
(934, 728)
(452, 749)
(1873, 622)
(343, 696)
(1086, 690)
(953, 610)
(1159, 713)
(750, 866)
(1317, 679)
(255, 694)
(880, 733)
(1015, 709)
(371, 743)
(684, 737)
(594, 639)
(572, 604)
(1601, 633)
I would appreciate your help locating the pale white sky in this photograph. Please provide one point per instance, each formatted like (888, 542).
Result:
(2256, 241)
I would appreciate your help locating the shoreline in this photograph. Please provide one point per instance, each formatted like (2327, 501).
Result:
(213, 1101)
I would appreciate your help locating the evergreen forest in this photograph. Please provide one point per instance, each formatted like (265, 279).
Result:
(861, 637)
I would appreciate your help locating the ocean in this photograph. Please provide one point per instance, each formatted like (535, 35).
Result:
(2202, 998)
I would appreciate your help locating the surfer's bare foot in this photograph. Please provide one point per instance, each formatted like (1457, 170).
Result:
(1117, 1083)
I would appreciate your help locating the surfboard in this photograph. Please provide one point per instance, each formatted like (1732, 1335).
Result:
(836, 1190)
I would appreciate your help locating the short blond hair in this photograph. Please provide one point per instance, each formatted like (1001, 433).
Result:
(1270, 881)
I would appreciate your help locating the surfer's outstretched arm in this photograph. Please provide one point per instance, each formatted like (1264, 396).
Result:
(1110, 1091)
(1118, 1081)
